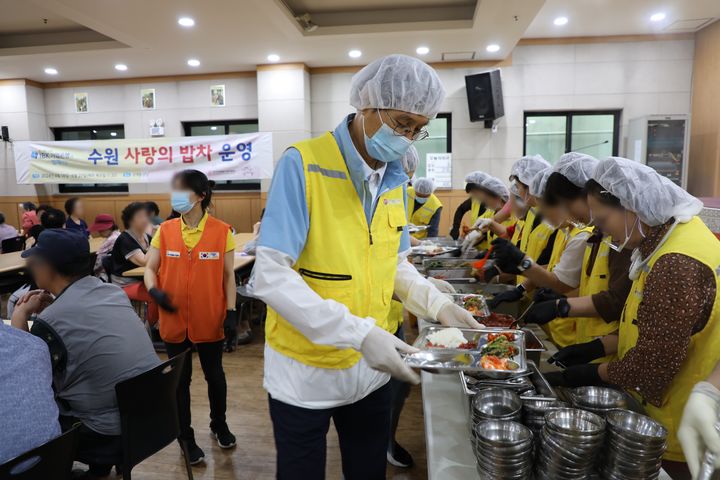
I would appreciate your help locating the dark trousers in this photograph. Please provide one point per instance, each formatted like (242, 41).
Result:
(211, 362)
(100, 452)
(400, 392)
(362, 427)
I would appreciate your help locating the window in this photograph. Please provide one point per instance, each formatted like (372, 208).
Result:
(225, 127)
(102, 132)
(552, 134)
(438, 140)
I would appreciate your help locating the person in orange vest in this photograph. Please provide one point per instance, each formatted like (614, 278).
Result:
(190, 275)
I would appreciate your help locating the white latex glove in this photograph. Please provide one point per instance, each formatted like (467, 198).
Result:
(452, 315)
(697, 431)
(470, 241)
(380, 350)
(442, 285)
(482, 223)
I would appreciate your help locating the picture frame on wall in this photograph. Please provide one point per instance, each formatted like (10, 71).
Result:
(147, 98)
(217, 95)
(81, 102)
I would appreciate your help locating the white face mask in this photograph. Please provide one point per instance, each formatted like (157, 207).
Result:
(619, 247)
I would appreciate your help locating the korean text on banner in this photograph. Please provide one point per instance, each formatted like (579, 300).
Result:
(223, 157)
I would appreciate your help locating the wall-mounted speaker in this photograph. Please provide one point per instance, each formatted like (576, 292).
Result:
(485, 99)
(4, 133)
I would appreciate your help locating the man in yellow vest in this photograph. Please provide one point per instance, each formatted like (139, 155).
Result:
(669, 337)
(330, 258)
(424, 208)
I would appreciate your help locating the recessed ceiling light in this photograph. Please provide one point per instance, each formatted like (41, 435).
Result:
(120, 67)
(657, 17)
(113, 134)
(422, 50)
(493, 47)
(354, 53)
(560, 21)
(94, 131)
(273, 57)
(213, 128)
(51, 71)
(193, 62)
(186, 22)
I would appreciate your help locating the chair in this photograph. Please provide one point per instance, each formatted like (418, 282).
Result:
(53, 459)
(149, 414)
(16, 244)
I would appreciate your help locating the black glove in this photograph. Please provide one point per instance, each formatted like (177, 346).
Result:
(455, 233)
(509, 296)
(541, 313)
(490, 273)
(578, 354)
(582, 375)
(545, 294)
(230, 328)
(507, 256)
(481, 254)
(162, 299)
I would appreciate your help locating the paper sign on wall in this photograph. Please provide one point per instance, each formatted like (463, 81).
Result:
(438, 167)
(222, 157)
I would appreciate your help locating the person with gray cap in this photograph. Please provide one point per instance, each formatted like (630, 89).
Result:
(95, 339)
(330, 258)
(669, 333)
(474, 203)
(424, 208)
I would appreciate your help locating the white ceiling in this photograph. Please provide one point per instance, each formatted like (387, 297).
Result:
(233, 35)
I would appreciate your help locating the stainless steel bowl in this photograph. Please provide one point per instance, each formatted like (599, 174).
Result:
(636, 425)
(496, 402)
(573, 421)
(598, 398)
(503, 449)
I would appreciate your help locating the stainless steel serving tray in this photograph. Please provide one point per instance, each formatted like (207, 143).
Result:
(459, 299)
(447, 268)
(442, 250)
(489, 290)
(416, 228)
(542, 388)
(439, 360)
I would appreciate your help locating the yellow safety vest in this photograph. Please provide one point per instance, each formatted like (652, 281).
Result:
(598, 280)
(422, 215)
(533, 240)
(395, 317)
(696, 241)
(475, 207)
(562, 330)
(344, 259)
(485, 243)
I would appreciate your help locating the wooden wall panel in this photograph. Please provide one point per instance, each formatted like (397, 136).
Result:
(451, 200)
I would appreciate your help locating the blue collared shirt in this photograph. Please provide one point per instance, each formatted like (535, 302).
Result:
(286, 222)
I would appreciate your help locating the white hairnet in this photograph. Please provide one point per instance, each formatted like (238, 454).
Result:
(398, 82)
(496, 186)
(642, 190)
(410, 160)
(527, 167)
(424, 186)
(576, 167)
(538, 184)
(476, 177)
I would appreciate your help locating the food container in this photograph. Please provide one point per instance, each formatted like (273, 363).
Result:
(489, 290)
(533, 346)
(634, 446)
(441, 359)
(447, 268)
(473, 303)
(530, 386)
(599, 400)
(503, 450)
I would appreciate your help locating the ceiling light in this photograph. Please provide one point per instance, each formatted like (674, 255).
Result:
(186, 22)
(113, 134)
(657, 17)
(94, 131)
(120, 67)
(560, 21)
(273, 58)
(354, 53)
(193, 62)
(51, 71)
(493, 47)
(422, 50)
(213, 128)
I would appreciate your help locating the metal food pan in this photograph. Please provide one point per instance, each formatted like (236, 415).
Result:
(459, 299)
(489, 290)
(533, 354)
(539, 382)
(447, 268)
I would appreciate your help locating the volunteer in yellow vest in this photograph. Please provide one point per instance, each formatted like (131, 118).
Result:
(424, 208)
(669, 336)
(190, 275)
(604, 285)
(473, 206)
(497, 217)
(330, 258)
(697, 432)
(562, 272)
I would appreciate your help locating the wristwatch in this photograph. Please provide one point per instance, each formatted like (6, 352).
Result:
(563, 308)
(525, 264)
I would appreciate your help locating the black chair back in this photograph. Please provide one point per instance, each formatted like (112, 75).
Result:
(149, 414)
(16, 244)
(53, 459)
(107, 263)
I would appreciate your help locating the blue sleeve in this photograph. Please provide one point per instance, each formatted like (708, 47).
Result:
(286, 222)
(405, 237)
(434, 224)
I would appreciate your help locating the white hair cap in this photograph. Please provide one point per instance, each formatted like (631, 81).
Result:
(424, 186)
(538, 184)
(477, 177)
(654, 198)
(398, 82)
(496, 186)
(576, 167)
(410, 160)
(527, 167)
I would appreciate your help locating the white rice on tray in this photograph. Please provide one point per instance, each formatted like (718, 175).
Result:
(447, 337)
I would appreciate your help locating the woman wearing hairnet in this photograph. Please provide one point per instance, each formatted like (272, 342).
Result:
(497, 198)
(669, 337)
(424, 208)
(474, 203)
(330, 258)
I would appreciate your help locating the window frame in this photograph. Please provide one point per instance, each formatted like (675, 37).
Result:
(96, 187)
(569, 114)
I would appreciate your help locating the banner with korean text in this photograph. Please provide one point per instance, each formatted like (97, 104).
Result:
(144, 160)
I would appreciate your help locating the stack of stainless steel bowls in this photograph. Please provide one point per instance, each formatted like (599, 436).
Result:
(534, 412)
(495, 404)
(503, 450)
(634, 446)
(599, 400)
(569, 445)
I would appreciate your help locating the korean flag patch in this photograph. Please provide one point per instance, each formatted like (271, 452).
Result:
(209, 255)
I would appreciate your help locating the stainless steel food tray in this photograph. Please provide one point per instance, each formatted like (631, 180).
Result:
(438, 360)
(447, 268)
(459, 299)
(442, 250)
(542, 388)
(416, 228)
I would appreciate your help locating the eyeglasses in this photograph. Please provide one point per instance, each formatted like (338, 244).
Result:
(405, 131)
